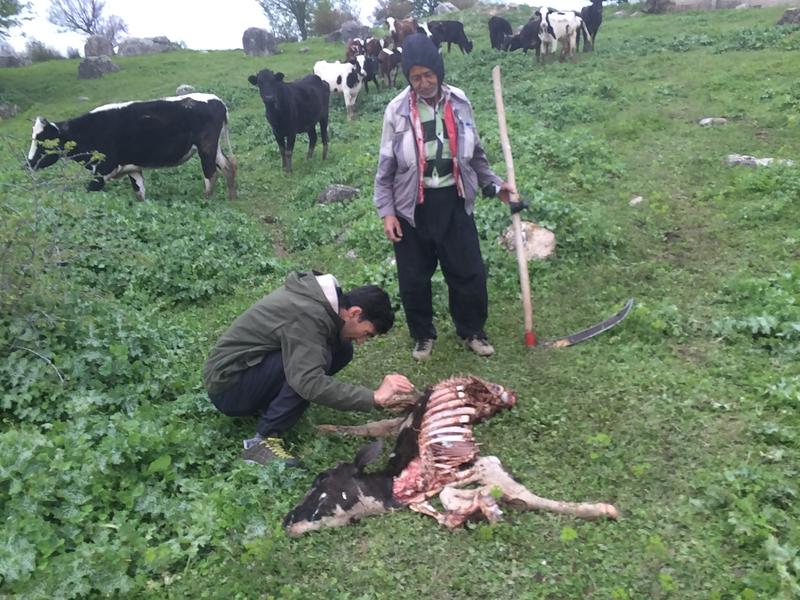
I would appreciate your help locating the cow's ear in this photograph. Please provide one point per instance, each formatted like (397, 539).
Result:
(368, 454)
(278, 76)
(253, 80)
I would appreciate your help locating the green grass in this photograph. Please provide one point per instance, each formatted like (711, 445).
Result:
(123, 480)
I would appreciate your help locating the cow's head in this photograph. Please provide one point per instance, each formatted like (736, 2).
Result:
(343, 495)
(44, 144)
(267, 83)
(468, 46)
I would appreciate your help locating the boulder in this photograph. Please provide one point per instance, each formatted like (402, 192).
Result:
(8, 110)
(94, 67)
(712, 121)
(334, 36)
(538, 243)
(354, 29)
(751, 161)
(259, 42)
(336, 193)
(133, 46)
(183, 89)
(98, 45)
(445, 7)
(790, 17)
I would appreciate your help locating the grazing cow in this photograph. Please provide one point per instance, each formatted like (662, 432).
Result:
(400, 28)
(435, 454)
(344, 78)
(388, 63)
(499, 32)
(592, 15)
(132, 136)
(560, 28)
(451, 32)
(527, 38)
(294, 107)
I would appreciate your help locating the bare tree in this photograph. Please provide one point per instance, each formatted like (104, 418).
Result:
(288, 15)
(111, 27)
(77, 15)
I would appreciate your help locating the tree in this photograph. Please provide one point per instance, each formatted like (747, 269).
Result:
(86, 16)
(289, 16)
(329, 16)
(11, 15)
(399, 9)
(424, 8)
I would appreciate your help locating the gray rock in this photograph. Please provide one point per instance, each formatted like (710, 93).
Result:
(304, 50)
(8, 110)
(790, 17)
(334, 36)
(752, 161)
(354, 29)
(137, 46)
(184, 88)
(97, 45)
(445, 7)
(259, 42)
(336, 193)
(94, 67)
(712, 121)
(351, 254)
(83, 98)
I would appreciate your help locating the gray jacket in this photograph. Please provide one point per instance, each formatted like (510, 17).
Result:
(397, 180)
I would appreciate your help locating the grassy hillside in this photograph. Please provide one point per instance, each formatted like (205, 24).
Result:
(118, 477)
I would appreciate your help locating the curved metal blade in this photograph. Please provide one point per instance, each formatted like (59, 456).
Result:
(589, 332)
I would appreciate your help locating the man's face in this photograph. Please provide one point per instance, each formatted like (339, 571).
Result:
(424, 82)
(355, 329)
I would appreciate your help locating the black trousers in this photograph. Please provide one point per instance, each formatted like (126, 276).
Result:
(446, 235)
(262, 391)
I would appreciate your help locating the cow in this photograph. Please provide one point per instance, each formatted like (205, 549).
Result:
(399, 29)
(388, 63)
(592, 15)
(527, 38)
(434, 454)
(499, 32)
(343, 78)
(294, 107)
(451, 32)
(560, 28)
(126, 137)
(354, 47)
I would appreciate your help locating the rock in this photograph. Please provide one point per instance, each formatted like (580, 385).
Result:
(8, 110)
(133, 46)
(98, 45)
(259, 42)
(744, 5)
(183, 89)
(752, 161)
(351, 254)
(304, 49)
(94, 67)
(83, 98)
(620, 13)
(334, 36)
(538, 242)
(790, 17)
(336, 193)
(445, 7)
(712, 121)
(354, 29)
(636, 200)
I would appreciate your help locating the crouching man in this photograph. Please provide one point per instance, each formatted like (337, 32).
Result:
(282, 352)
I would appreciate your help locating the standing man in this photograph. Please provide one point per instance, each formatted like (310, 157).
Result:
(282, 352)
(431, 164)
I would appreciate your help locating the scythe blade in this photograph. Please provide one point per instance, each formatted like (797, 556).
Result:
(589, 332)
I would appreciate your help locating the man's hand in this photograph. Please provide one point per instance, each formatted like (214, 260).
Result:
(393, 231)
(506, 191)
(393, 384)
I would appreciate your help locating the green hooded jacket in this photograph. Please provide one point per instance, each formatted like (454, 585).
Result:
(300, 321)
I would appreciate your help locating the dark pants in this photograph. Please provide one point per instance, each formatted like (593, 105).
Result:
(262, 391)
(446, 235)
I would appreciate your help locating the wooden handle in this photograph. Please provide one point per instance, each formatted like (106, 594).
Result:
(522, 263)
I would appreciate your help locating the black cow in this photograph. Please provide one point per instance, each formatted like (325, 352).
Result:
(124, 138)
(528, 37)
(371, 71)
(592, 16)
(451, 32)
(499, 32)
(294, 107)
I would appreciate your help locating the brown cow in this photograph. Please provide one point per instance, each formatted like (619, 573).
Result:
(400, 28)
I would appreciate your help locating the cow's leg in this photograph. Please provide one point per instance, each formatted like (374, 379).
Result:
(323, 131)
(289, 149)
(208, 161)
(462, 505)
(96, 184)
(137, 183)
(383, 428)
(282, 147)
(312, 140)
(350, 102)
(489, 471)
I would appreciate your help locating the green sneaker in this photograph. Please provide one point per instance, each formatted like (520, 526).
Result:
(267, 450)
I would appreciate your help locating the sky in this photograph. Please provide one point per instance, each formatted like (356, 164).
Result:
(199, 23)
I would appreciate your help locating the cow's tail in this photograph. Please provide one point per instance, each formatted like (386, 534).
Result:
(587, 38)
(231, 167)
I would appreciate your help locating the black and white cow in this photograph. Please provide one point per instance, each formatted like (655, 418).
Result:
(294, 107)
(127, 137)
(344, 78)
(451, 32)
(499, 32)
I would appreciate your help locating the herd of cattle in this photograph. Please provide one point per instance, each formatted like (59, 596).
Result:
(124, 138)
